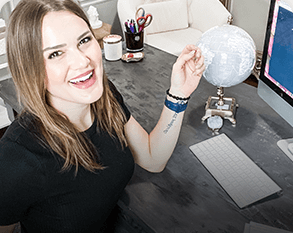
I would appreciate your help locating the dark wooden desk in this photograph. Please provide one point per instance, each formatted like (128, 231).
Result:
(185, 197)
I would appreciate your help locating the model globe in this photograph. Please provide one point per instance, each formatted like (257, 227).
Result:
(229, 54)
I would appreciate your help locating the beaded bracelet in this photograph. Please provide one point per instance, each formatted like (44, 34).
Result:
(176, 97)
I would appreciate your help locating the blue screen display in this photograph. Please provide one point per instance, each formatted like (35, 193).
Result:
(281, 61)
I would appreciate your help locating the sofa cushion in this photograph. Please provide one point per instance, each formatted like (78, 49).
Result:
(174, 41)
(167, 16)
(205, 14)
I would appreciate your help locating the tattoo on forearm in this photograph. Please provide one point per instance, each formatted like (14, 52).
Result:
(171, 123)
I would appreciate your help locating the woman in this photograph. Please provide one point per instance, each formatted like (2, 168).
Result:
(67, 158)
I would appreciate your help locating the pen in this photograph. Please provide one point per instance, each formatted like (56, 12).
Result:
(136, 27)
(127, 27)
(131, 28)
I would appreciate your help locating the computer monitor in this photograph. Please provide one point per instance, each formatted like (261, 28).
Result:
(276, 77)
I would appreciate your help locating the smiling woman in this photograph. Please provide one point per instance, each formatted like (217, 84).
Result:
(65, 161)
(59, 54)
(56, 65)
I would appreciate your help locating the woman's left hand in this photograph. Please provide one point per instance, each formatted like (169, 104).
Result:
(187, 71)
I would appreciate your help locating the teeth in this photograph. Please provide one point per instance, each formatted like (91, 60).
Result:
(82, 79)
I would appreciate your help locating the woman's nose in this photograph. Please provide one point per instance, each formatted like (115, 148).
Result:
(77, 59)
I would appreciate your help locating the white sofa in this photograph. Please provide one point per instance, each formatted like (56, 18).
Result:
(176, 23)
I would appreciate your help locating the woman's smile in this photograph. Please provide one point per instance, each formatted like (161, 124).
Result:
(84, 81)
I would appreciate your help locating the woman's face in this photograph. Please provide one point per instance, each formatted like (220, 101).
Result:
(73, 61)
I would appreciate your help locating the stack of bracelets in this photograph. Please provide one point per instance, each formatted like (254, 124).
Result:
(178, 107)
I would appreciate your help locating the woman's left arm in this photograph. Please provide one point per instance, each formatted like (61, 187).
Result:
(152, 151)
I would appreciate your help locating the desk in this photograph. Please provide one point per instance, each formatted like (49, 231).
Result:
(185, 197)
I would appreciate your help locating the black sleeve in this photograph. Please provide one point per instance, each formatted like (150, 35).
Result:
(21, 181)
(120, 100)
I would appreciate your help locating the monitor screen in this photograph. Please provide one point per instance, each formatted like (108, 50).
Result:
(277, 63)
(280, 52)
(276, 76)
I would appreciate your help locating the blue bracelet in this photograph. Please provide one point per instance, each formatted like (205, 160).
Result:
(176, 107)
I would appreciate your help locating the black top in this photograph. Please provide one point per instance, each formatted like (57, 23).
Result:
(35, 192)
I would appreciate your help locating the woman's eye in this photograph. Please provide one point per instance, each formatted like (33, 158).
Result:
(55, 54)
(85, 40)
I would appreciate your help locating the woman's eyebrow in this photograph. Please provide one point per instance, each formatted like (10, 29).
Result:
(63, 45)
(54, 47)
(82, 35)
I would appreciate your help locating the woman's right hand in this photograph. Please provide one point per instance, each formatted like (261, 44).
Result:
(187, 71)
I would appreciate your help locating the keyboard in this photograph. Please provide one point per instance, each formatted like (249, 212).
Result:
(238, 175)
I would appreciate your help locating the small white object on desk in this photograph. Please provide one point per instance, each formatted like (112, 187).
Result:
(94, 17)
(132, 57)
(112, 47)
(215, 123)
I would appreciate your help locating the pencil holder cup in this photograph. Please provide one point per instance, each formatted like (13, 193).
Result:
(134, 41)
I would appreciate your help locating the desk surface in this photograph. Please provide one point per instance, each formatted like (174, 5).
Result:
(185, 197)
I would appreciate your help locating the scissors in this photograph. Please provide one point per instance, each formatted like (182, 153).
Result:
(144, 21)
(139, 13)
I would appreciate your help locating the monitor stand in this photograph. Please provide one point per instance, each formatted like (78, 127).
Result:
(283, 108)
(286, 145)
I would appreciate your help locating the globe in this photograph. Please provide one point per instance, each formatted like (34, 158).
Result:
(229, 53)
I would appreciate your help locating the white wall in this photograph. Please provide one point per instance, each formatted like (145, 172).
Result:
(107, 10)
(251, 15)
(5, 12)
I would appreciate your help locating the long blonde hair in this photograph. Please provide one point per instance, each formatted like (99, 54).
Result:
(27, 67)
